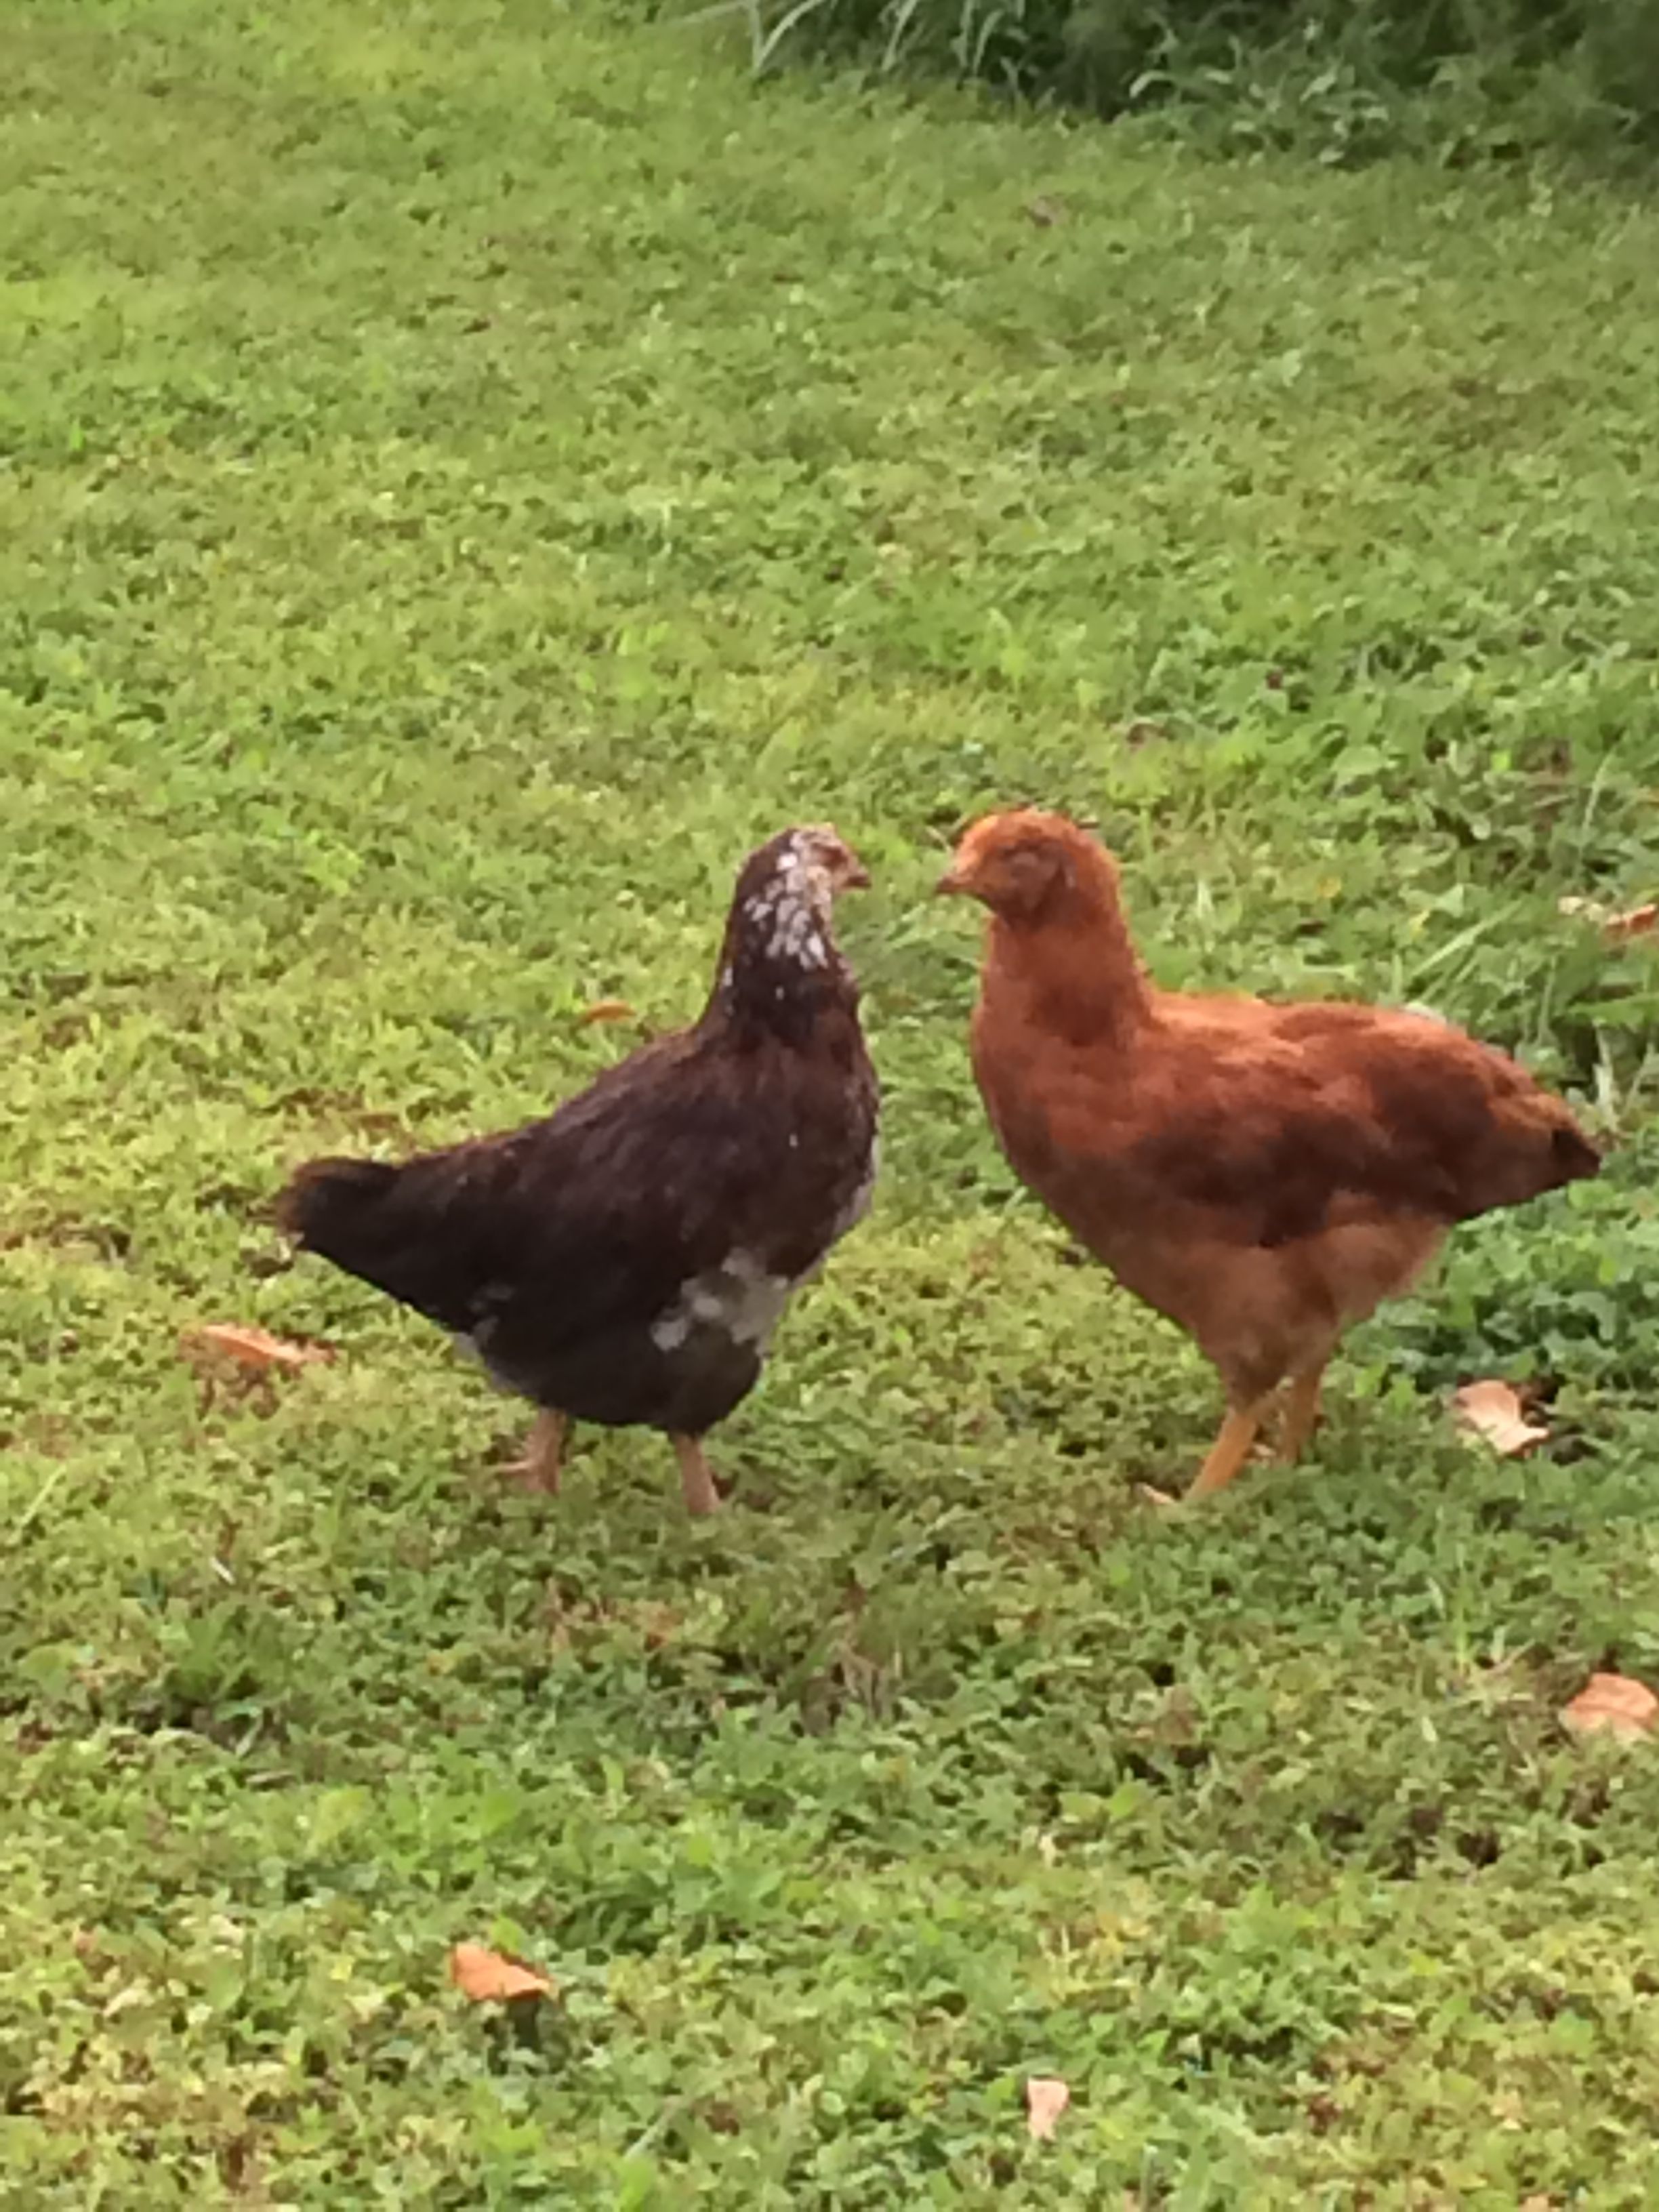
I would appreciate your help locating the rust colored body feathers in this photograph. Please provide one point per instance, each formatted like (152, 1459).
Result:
(1262, 1175)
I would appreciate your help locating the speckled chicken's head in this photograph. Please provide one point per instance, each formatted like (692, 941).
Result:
(781, 959)
(1029, 866)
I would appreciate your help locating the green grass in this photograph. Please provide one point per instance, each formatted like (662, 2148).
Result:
(465, 475)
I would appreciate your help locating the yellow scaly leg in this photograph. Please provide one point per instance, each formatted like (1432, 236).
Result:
(1231, 1447)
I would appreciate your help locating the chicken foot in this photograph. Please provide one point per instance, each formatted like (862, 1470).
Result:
(539, 1466)
(696, 1482)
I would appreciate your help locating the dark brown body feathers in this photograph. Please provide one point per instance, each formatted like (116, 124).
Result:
(624, 1259)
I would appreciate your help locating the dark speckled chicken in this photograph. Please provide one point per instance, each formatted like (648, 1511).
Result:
(627, 1259)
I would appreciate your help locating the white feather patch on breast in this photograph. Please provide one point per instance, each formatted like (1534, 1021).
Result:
(739, 1297)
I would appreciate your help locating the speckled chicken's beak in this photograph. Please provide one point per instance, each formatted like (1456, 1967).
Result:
(854, 876)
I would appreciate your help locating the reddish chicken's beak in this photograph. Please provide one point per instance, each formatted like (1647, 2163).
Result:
(953, 882)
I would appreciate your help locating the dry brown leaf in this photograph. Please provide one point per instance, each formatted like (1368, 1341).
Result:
(1634, 922)
(1611, 1705)
(241, 1344)
(1494, 1410)
(1046, 2098)
(487, 1977)
(606, 1010)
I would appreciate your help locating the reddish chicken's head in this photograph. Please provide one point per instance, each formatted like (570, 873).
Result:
(1029, 866)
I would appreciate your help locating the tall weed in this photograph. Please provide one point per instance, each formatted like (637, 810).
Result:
(1465, 79)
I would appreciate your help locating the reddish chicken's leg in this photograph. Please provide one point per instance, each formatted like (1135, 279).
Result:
(1300, 1413)
(1231, 1447)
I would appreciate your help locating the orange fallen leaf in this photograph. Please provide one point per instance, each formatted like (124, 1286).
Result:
(1611, 1705)
(255, 1352)
(487, 1977)
(243, 1363)
(1494, 1410)
(1634, 922)
(606, 1010)
(245, 1346)
(1046, 2098)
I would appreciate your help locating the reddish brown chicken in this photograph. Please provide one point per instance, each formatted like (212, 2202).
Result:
(1261, 1174)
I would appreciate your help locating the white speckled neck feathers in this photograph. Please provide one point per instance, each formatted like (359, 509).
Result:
(780, 965)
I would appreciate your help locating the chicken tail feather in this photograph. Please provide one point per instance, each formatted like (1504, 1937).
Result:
(1533, 1143)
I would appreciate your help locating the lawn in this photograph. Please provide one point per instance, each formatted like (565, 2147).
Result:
(465, 475)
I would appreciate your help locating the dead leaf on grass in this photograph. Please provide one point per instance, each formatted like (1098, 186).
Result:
(244, 1364)
(1495, 1411)
(1046, 2098)
(1611, 1705)
(239, 1344)
(1615, 927)
(487, 1977)
(606, 1010)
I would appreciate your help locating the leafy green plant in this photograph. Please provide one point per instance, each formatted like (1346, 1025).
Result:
(1468, 79)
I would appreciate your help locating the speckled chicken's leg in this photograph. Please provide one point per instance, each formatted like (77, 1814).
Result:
(1300, 1413)
(539, 1466)
(1231, 1447)
(696, 1483)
